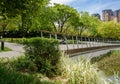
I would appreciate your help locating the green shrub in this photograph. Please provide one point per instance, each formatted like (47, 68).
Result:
(23, 64)
(44, 53)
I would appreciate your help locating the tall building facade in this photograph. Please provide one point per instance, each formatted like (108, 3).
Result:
(117, 15)
(107, 15)
(96, 15)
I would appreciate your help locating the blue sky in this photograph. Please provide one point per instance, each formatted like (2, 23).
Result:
(92, 6)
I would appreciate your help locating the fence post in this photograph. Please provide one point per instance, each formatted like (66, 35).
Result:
(89, 42)
(66, 42)
(103, 42)
(73, 42)
(41, 34)
(77, 41)
(94, 41)
(50, 36)
(55, 36)
(81, 42)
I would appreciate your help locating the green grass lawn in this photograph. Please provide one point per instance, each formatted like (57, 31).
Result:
(5, 49)
(110, 63)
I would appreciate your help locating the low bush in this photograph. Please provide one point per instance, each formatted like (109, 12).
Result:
(44, 53)
(23, 64)
(21, 70)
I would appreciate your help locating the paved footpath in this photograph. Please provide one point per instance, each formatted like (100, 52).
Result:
(17, 50)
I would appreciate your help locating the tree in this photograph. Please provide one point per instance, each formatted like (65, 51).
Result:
(109, 30)
(87, 23)
(95, 22)
(82, 23)
(61, 15)
(27, 9)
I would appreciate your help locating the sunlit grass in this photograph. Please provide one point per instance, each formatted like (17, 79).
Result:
(82, 72)
(109, 63)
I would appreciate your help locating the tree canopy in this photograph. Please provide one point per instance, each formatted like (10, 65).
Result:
(61, 15)
(31, 16)
(109, 30)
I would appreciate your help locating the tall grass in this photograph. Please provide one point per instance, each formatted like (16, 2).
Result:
(81, 72)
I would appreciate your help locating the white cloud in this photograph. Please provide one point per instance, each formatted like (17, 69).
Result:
(61, 1)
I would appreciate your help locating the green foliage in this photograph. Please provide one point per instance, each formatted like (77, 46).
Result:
(23, 64)
(27, 10)
(109, 30)
(61, 15)
(44, 53)
(15, 7)
(23, 71)
(88, 23)
(8, 76)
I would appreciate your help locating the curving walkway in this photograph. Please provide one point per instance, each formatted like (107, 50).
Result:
(17, 50)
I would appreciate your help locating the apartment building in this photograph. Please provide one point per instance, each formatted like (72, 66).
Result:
(117, 15)
(107, 15)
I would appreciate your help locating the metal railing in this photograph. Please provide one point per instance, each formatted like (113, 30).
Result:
(75, 42)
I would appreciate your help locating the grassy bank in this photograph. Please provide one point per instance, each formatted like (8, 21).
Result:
(109, 63)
